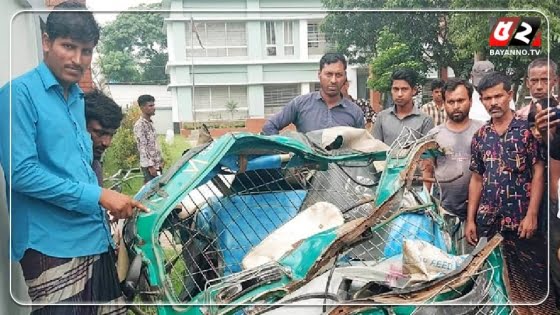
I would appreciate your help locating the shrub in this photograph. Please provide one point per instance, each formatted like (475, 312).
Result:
(214, 124)
(123, 154)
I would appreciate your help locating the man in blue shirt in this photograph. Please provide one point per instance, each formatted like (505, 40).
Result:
(322, 109)
(60, 234)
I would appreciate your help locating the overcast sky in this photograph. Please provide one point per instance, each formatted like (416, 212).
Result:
(115, 5)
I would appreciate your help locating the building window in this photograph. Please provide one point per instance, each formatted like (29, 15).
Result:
(289, 38)
(217, 39)
(279, 38)
(210, 102)
(276, 96)
(315, 39)
(270, 39)
(316, 86)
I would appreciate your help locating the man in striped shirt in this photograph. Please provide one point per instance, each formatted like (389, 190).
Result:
(435, 108)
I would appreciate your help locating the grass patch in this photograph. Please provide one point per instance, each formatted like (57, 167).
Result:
(171, 153)
(178, 272)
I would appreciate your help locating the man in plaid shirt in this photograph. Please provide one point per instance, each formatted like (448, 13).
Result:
(435, 108)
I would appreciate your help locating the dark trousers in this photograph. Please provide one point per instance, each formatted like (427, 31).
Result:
(554, 245)
(147, 176)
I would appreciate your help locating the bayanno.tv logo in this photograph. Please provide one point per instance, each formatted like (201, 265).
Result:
(516, 36)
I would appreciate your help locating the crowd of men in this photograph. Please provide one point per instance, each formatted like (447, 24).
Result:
(500, 161)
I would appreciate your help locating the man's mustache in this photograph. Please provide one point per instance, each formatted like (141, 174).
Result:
(75, 68)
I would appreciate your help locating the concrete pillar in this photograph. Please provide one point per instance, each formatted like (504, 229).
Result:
(305, 88)
(303, 49)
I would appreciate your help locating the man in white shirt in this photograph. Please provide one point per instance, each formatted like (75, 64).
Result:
(479, 70)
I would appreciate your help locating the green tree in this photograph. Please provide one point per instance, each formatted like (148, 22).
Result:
(357, 34)
(118, 66)
(471, 31)
(434, 39)
(392, 55)
(133, 47)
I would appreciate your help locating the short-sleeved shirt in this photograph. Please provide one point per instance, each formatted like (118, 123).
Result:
(455, 161)
(438, 114)
(146, 142)
(55, 195)
(388, 126)
(369, 113)
(505, 163)
(310, 112)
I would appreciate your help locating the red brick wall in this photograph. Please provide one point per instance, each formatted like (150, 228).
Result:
(375, 101)
(86, 83)
(52, 3)
(255, 125)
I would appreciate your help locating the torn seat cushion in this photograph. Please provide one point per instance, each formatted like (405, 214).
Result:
(319, 217)
(241, 222)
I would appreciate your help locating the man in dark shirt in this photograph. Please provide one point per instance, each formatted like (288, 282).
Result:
(505, 192)
(103, 118)
(547, 119)
(322, 109)
(391, 121)
(507, 182)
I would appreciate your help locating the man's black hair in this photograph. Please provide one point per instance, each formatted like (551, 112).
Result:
(453, 83)
(329, 58)
(493, 79)
(437, 84)
(143, 99)
(102, 108)
(79, 26)
(408, 75)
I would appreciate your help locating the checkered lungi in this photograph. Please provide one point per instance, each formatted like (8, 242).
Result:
(88, 279)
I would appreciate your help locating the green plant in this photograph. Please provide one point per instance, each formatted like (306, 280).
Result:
(123, 153)
(231, 107)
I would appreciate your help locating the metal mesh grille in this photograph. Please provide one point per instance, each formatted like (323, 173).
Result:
(242, 210)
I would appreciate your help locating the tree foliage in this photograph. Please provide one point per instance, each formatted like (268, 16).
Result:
(133, 47)
(434, 39)
(123, 153)
(393, 54)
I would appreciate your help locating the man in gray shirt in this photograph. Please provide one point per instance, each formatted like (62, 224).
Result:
(322, 109)
(455, 138)
(403, 113)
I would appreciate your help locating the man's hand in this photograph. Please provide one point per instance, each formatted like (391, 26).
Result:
(470, 233)
(152, 170)
(527, 226)
(542, 123)
(119, 206)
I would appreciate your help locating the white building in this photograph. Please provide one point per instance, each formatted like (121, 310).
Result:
(258, 53)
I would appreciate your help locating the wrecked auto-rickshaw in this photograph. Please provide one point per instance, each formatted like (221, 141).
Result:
(330, 222)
